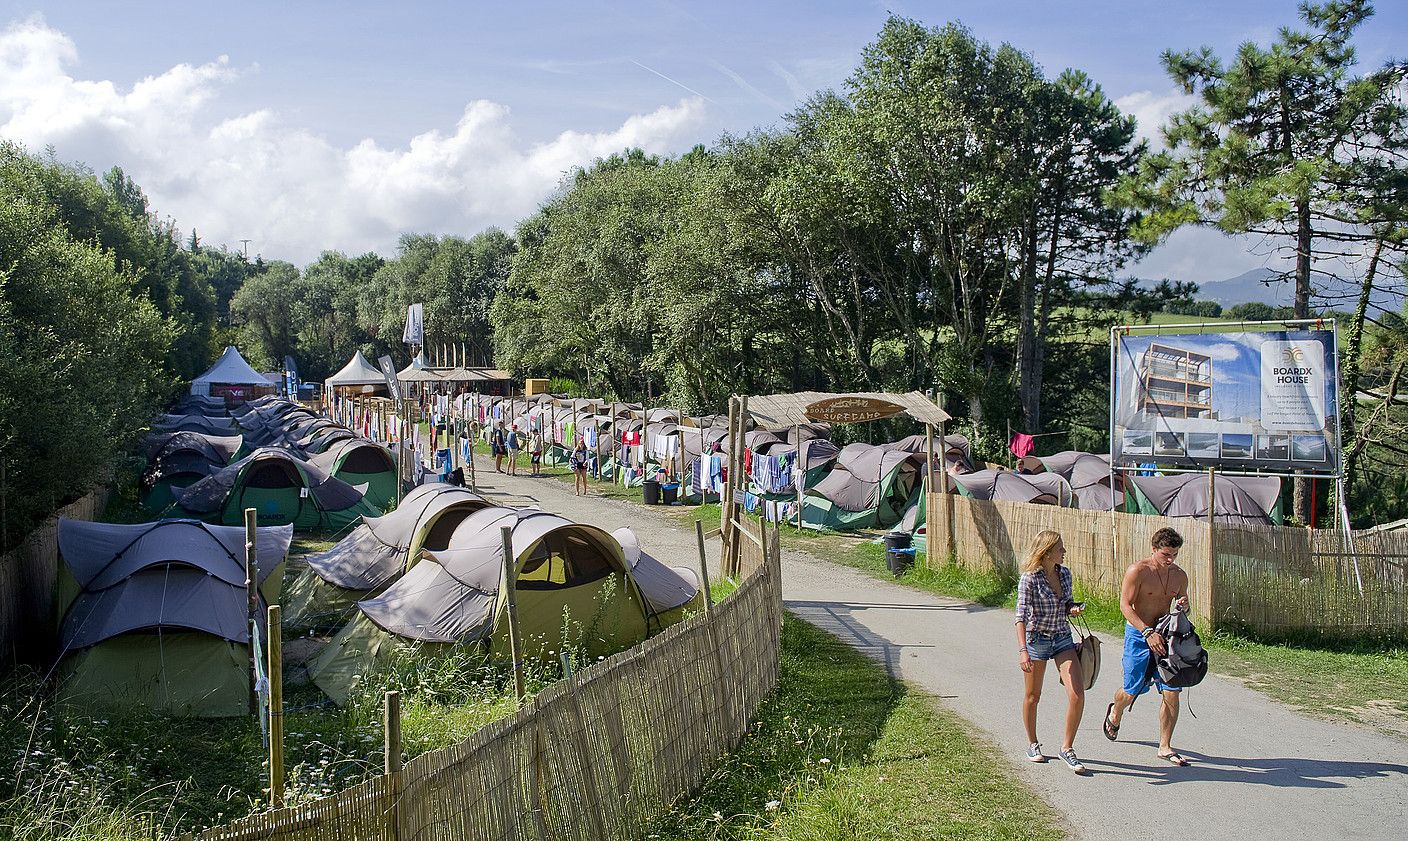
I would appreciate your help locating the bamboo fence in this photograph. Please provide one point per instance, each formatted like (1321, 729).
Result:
(596, 756)
(1272, 580)
(28, 576)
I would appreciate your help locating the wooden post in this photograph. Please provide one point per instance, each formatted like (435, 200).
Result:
(391, 748)
(930, 557)
(703, 568)
(950, 549)
(726, 495)
(276, 708)
(251, 586)
(510, 582)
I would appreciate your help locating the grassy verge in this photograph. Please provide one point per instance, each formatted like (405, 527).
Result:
(842, 751)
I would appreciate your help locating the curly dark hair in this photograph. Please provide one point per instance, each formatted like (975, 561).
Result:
(1166, 538)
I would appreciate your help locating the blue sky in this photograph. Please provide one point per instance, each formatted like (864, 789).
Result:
(340, 125)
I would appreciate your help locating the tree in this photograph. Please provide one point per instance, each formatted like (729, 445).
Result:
(263, 311)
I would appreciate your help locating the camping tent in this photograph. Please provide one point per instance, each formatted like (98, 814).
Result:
(1088, 474)
(281, 487)
(362, 464)
(869, 487)
(180, 459)
(220, 426)
(1008, 486)
(156, 614)
(574, 588)
(377, 552)
(1237, 499)
(232, 378)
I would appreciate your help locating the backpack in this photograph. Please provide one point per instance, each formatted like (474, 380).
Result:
(1186, 662)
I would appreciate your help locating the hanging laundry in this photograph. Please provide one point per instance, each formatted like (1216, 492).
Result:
(1021, 444)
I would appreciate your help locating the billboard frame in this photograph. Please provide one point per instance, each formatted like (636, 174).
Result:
(1202, 328)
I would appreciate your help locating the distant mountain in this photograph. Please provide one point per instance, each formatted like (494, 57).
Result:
(1265, 286)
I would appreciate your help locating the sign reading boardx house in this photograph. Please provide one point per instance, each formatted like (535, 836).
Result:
(852, 410)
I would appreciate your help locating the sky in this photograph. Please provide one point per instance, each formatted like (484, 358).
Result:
(308, 126)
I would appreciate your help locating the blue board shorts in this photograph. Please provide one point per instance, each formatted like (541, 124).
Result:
(1046, 646)
(1139, 671)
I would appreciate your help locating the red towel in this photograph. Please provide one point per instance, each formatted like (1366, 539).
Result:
(1021, 445)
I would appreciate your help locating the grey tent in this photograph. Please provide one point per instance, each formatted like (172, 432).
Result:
(180, 459)
(1251, 500)
(282, 487)
(1004, 485)
(156, 614)
(668, 591)
(1088, 474)
(869, 487)
(377, 552)
(217, 426)
(574, 587)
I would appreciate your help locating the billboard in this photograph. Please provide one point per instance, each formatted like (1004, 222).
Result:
(1240, 402)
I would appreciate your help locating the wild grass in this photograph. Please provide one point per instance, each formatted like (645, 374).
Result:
(842, 751)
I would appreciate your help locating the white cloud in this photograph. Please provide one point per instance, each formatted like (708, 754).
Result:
(1151, 110)
(287, 189)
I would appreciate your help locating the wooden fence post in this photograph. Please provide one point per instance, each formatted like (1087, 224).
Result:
(510, 595)
(251, 586)
(930, 557)
(391, 746)
(703, 568)
(276, 708)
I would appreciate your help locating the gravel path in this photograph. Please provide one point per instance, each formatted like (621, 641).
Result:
(1260, 769)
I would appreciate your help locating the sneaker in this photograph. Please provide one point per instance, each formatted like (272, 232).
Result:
(1034, 753)
(1069, 757)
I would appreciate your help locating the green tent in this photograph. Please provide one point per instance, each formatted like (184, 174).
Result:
(282, 488)
(375, 554)
(1236, 499)
(155, 615)
(870, 487)
(363, 464)
(180, 459)
(575, 586)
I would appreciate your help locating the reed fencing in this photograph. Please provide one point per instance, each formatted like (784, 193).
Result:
(594, 757)
(1272, 580)
(28, 577)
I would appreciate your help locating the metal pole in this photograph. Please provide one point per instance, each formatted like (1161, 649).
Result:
(276, 708)
(510, 582)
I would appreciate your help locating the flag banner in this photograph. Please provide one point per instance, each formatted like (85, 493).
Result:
(1241, 402)
(415, 325)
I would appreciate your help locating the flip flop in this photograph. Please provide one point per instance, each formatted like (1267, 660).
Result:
(1111, 731)
(1174, 759)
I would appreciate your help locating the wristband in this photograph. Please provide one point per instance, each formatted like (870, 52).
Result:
(1148, 632)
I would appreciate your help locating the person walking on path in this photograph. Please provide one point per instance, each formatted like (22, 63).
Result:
(1149, 587)
(578, 462)
(499, 444)
(535, 451)
(1044, 602)
(515, 443)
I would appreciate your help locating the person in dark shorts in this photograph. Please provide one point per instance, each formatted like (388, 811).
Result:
(498, 443)
(578, 462)
(1045, 600)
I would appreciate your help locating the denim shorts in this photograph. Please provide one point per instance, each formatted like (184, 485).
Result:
(1046, 646)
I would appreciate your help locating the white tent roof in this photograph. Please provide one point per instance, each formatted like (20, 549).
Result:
(229, 369)
(358, 371)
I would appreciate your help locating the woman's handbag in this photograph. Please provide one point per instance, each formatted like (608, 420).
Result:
(1087, 651)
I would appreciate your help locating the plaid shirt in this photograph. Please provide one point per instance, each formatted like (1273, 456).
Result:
(1039, 606)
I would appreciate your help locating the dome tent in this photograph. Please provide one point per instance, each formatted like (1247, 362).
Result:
(377, 552)
(281, 487)
(1088, 474)
(1237, 499)
(1007, 486)
(870, 487)
(361, 463)
(573, 579)
(180, 459)
(155, 614)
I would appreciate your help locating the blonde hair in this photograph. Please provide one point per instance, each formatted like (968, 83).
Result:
(1041, 546)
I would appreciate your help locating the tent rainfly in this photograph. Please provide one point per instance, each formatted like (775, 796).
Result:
(281, 487)
(1087, 473)
(181, 459)
(870, 487)
(155, 615)
(574, 588)
(362, 464)
(1241, 500)
(1007, 486)
(377, 552)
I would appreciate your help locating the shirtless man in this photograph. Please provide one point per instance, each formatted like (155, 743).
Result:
(1148, 588)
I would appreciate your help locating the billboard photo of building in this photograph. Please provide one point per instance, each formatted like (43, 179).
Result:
(1243, 400)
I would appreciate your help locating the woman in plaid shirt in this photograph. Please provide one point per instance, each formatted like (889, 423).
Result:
(1044, 601)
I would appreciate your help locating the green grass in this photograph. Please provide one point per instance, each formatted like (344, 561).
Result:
(842, 751)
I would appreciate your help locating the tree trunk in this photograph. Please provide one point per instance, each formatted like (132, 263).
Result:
(1348, 398)
(1301, 499)
(1027, 386)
